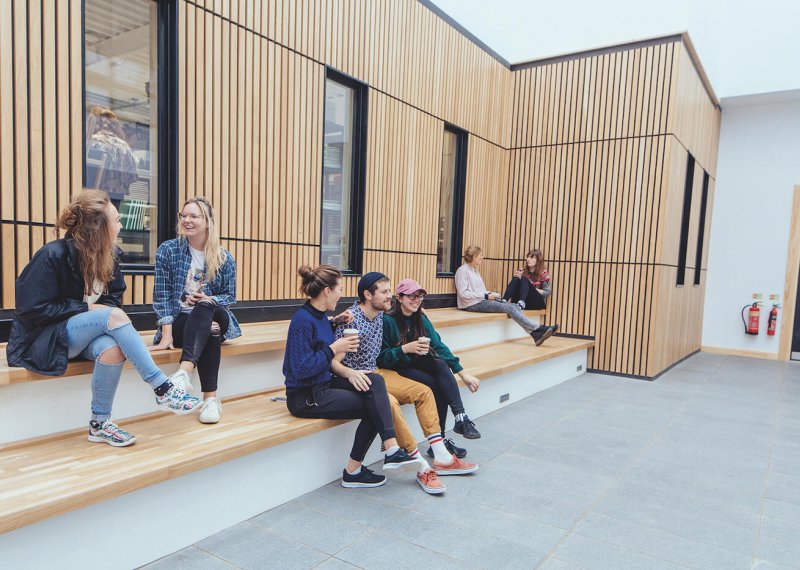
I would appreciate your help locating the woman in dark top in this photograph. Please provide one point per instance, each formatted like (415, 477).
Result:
(311, 391)
(431, 363)
(530, 287)
(68, 301)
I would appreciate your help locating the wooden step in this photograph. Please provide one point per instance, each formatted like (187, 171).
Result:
(256, 337)
(52, 475)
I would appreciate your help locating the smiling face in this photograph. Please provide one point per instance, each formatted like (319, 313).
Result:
(193, 222)
(410, 304)
(114, 223)
(332, 295)
(381, 300)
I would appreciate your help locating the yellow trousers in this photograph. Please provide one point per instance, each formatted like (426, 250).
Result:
(406, 391)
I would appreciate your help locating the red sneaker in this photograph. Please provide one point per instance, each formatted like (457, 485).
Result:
(430, 482)
(456, 467)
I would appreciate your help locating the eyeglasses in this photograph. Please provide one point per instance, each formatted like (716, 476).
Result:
(190, 217)
(415, 296)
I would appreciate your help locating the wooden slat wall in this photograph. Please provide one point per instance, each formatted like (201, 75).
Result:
(596, 181)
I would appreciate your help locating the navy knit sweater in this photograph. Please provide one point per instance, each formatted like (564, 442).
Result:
(308, 356)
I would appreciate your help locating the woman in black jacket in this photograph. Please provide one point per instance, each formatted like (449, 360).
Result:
(68, 301)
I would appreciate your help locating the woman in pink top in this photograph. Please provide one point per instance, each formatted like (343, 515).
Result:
(473, 296)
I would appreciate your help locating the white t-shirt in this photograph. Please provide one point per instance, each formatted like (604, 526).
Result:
(195, 278)
(97, 291)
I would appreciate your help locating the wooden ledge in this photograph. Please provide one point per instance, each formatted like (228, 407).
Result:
(256, 337)
(52, 475)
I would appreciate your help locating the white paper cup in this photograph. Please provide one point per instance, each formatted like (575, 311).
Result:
(427, 341)
(350, 332)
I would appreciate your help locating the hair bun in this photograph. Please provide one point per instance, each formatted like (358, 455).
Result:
(306, 273)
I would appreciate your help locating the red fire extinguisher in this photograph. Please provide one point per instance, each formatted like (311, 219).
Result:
(753, 318)
(773, 320)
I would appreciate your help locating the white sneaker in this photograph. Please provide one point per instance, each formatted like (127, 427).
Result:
(212, 410)
(182, 379)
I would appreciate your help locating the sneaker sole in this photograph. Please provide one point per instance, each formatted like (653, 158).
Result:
(362, 485)
(405, 466)
(166, 408)
(209, 422)
(461, 456)
(431, 490)
(446, 472)
(470, 436)
(95, 439)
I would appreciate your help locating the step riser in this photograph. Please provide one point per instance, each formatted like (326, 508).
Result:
(153, 526)
(34, 409)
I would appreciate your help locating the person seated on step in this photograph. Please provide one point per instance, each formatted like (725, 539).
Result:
(375, 297)
(313, 392)
(530, 287)
(68, 306)
(194, 288)
(413, 348)
(472, 295)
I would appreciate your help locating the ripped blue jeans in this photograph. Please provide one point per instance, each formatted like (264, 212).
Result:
(89, 336)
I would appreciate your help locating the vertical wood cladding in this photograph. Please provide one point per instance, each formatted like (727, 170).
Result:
(580, 157)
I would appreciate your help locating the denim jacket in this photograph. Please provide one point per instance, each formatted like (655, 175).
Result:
(173, 260)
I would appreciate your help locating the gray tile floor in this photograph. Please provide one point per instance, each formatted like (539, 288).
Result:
(699, 469)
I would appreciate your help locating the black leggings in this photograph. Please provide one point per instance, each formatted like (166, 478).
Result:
(339, 400)
(436, 375)
(202, 346)
(520, 288)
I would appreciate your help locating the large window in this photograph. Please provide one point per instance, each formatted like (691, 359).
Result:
(343, 172)
(121, 105)
(451, 200)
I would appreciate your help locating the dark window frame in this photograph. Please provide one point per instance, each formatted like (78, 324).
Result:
(359, 166)
(168, 125)
(683, 244)
(459, 198)
(701, 229)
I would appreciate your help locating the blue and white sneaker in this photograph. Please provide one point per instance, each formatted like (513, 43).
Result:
(110, 433)
(177, 401)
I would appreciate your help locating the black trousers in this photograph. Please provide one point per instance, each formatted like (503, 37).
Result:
(202, 346)
(519, 288)
(339, 400)
(436, 375)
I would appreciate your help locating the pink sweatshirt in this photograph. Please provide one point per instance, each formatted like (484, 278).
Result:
(470, 288)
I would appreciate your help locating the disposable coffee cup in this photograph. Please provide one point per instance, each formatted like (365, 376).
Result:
(348, 333)
(427, 341)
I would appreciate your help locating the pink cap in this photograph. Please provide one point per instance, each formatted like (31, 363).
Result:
(408, 286)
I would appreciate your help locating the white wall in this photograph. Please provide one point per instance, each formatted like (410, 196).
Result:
(759, 165)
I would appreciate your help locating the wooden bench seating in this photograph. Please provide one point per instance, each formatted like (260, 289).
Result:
(48, 476)
(256, 337)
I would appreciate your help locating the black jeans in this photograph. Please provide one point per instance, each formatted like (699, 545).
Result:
(339, 400)
(519, 288)
(202, 346)
(436, 375)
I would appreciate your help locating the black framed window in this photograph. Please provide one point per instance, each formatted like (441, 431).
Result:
(130, 94)
(701, 230)
(451, 200)
(683, 244)
(343, 172)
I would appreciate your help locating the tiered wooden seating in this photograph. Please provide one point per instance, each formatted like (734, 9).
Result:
(56, 474)
(257, 337)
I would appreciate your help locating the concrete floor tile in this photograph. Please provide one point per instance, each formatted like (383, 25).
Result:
(190, 559)
(379, 550)
(597, 554)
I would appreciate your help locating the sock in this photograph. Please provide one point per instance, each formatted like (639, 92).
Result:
(163, 388)
(356, 472)
(460, 417)
(422, 464)
(392, 450)
(440, 453)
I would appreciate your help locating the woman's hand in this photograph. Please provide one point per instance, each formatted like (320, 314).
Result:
(518, 273)
(345, 344)
(343, 318)
(470, 381)
(359, 380)
(165, 343)
(416, 347)
(195, 298)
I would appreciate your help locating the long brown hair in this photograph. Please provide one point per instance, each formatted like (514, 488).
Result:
(215, 255)
(536, 274)
(103, 119)
(86, 223)
(314, 281)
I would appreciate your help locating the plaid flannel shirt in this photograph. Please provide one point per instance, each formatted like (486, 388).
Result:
(173, 260)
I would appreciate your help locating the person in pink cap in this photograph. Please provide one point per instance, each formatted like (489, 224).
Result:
(413, 348)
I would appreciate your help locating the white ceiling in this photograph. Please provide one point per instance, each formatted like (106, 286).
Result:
(745, 47)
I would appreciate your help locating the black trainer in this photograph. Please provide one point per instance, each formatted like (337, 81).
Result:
(466, 427)
(399, 460)
(540, 336)
(364, 479)
(459, 452)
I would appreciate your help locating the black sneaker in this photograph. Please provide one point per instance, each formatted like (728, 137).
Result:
(364, 479)
(399, 460)
(540, 337)
(459, 452)
(466, 427)
(555, 328)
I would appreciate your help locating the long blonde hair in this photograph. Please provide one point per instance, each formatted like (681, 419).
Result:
(215, 255)
(86, 223)
(471, 252)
